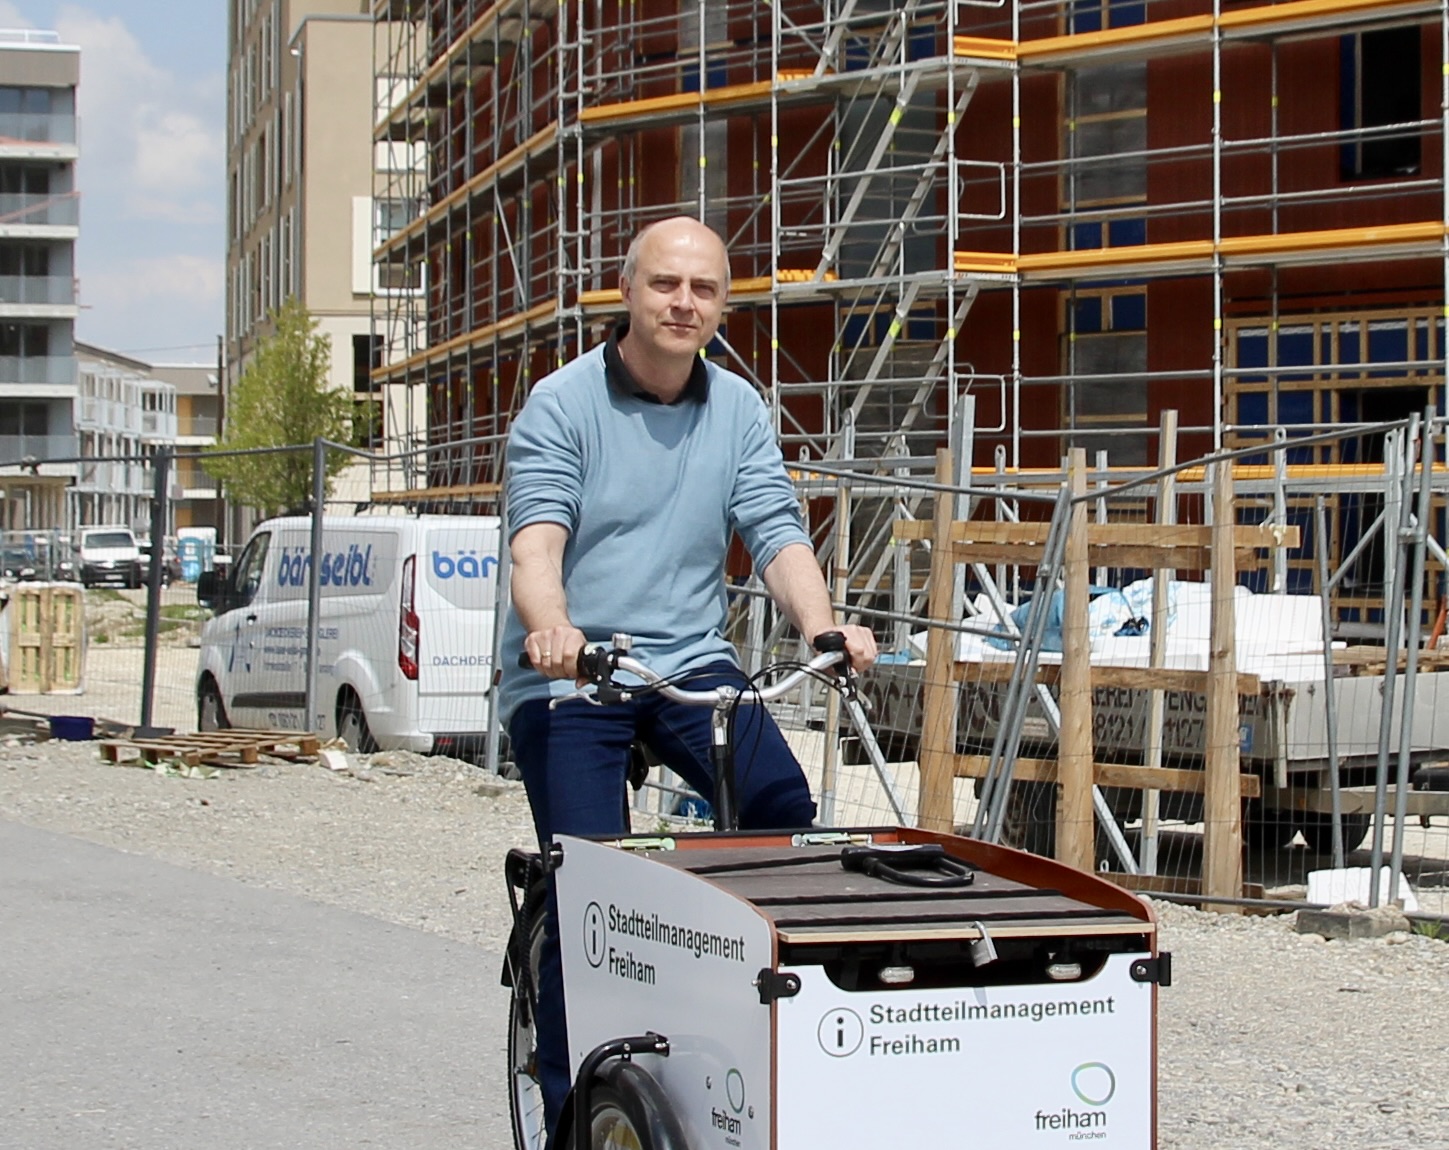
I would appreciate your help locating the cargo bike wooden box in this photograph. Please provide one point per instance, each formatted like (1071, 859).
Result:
(788, 992)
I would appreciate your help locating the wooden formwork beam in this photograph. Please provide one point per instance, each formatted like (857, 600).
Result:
(936, 811)
(1222, 866)
(1127, 776)
(1130, 678)
(1076, 822)
(1179, 547)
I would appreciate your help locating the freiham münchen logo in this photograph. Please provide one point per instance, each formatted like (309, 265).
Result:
(1094, 1083)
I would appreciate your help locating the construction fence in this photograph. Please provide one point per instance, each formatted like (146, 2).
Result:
(1179, 675)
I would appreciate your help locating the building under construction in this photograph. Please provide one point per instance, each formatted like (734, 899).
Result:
(1082, 215)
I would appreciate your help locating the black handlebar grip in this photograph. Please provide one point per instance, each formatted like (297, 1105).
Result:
(594, 662)
(829, 641)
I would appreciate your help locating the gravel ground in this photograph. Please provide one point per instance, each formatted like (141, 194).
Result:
(1267, 1039)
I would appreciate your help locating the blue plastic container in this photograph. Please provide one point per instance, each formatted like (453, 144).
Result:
(72, 728)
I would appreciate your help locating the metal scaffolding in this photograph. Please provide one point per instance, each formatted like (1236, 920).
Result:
(1075, 215)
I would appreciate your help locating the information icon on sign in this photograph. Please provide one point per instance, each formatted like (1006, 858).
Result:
(840, 1032)
(596, 934)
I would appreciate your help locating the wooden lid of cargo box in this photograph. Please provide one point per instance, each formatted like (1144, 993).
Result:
(809, 897)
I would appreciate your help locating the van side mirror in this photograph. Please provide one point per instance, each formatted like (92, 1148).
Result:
(209, 589)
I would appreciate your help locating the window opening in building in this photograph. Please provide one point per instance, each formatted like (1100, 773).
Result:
(1379, 79)
(366, 358)
(1105, 355)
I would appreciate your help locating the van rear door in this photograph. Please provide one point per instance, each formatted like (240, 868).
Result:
(456, 601)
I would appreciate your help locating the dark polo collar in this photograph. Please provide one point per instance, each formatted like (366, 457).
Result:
(622, 380)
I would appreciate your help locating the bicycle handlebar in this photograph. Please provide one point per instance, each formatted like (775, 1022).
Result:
(597, 662)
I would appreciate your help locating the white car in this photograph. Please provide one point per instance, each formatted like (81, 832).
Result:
(405, 638)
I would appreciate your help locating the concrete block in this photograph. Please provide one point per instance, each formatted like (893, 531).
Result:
(1352, 920)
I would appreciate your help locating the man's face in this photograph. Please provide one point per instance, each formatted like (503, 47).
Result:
(677, 293)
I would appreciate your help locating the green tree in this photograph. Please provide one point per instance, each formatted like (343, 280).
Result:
(283, 397)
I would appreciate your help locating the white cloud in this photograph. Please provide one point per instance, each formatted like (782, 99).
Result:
(141, 124)
(195, 279)
(151, 177)
(10, 16)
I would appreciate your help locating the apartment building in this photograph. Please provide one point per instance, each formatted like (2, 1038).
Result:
(39, 225)
(127, 409)
(123, 415)
(301, 219)
(196, 496)
(1078, 214)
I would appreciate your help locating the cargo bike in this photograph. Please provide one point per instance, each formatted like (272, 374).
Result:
(844, 987)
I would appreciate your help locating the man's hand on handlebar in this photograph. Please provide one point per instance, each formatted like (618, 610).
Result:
(554, 653)
(860, 645)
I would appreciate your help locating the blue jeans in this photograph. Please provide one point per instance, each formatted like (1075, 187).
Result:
(574, 760)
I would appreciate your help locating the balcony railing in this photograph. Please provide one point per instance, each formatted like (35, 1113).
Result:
(196, 425)
(113, 478)
(37, 369)
(107, 415)
(24, 210)
(194, 479)
(38, 127)
(36, 448)
(37, 290)
(158, 424)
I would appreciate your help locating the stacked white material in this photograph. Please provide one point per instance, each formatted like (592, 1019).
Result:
(1279, 637)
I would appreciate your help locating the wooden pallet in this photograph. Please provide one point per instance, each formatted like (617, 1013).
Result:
(235, 748)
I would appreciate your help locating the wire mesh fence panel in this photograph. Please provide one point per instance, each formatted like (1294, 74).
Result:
(1241, 719)
(1322, 760)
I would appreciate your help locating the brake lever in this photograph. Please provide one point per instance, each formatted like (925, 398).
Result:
(604, 694)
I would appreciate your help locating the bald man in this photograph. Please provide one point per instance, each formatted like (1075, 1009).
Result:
(628, 472)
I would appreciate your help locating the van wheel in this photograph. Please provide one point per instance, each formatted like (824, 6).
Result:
(1317, 831)
(352, 726)
(210, 711)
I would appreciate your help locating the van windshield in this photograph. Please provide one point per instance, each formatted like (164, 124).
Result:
(110, 539)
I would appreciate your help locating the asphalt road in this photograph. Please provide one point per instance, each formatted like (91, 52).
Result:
(144, 1005)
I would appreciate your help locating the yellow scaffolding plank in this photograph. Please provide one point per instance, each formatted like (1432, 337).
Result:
(495, 13)
(1187, 31)
(992, 263)
(441, 352)
(676, 102)
(1425, 238)
(1156, 33)
(982, 48)
(609, 299)
(536, 144)
(1429, 232)
(1182, 251)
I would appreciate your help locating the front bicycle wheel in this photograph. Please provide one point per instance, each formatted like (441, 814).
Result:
(628, 1110)
(614, 1126)
(525, 1094)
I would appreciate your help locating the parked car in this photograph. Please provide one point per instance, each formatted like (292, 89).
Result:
(170, 564)
(109, 555)
(17, 565)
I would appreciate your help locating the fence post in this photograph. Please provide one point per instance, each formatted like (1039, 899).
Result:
(1161, 578)
(1222, 799)
(161, 488)
(1076, 826)
(314, 581)
(937, 803)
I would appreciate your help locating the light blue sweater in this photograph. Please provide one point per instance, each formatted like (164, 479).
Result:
(650, 494)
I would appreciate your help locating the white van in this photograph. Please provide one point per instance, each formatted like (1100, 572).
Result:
(405, 638)
(109, 554)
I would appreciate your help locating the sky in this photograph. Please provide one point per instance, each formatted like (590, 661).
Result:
(152, 105)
